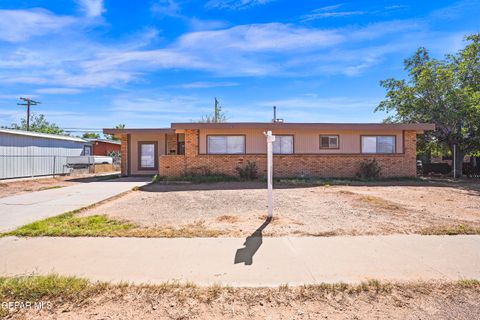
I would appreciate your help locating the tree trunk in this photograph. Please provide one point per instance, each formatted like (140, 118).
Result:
(459, 155)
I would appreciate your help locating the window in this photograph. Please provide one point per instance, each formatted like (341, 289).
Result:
(328, 142)
(378, 144)
(226, 144)
(147, 152)
(283, 145)
(87, 150)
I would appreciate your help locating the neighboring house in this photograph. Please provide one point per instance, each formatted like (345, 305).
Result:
(102, 147)
(301, 149)
(27, 154)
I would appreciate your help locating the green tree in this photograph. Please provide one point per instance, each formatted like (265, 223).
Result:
(112, 137)
(38, 123)
(90, 135)
(444, 92)
(217, 116)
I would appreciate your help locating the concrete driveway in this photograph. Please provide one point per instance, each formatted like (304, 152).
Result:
(16, 211)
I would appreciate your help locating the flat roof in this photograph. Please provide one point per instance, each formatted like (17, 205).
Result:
(138, 130)
(303, 125)
(42, 135)
(103, 140)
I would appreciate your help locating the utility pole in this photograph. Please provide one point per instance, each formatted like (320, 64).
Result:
(28, 102)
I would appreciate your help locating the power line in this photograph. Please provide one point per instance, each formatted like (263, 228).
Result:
(28, 102)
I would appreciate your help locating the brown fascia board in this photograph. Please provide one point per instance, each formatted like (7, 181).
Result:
(138, 130)
(419, 127)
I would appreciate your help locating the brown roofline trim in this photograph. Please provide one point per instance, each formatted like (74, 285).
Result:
(419, 127)
(139, 130)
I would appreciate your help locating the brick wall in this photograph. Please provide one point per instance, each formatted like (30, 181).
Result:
(103, 148)
(124, 154)
(332, 165)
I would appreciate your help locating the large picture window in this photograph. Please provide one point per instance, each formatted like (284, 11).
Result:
(283, 145)
(226, 144)
(147, 153)
(378, 144)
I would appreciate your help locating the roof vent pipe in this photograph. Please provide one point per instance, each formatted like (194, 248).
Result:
(275, 119)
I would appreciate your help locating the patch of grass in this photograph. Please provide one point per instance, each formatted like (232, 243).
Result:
(35, 288)
(380, 203)
(196, 178)
(450, 230)
(73, 293)
(318, 181)
(194, 230)
(469, 283)
(51, 187)
(227, 218)
(210, 178)
(317, 234)
(69, 225)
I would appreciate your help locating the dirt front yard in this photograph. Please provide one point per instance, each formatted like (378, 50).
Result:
(239, 208)
(407, 301)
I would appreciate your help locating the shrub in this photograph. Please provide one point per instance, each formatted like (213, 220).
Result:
(157, 178)
(369, 169)
(248, 172)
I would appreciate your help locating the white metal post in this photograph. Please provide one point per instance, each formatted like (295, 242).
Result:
(270, 140)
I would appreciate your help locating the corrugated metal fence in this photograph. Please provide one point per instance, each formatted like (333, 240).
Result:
(24, 155)
(29, 166)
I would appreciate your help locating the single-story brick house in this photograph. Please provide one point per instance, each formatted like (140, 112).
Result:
(301, 149)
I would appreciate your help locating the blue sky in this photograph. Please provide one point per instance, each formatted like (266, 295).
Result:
(95, 63)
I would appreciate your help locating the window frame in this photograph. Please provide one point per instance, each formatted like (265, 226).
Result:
(226, 135)
(293, 143)
(329, 135)
(155, 151)
(376, 143)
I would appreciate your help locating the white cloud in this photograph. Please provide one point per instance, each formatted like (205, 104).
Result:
(234, 4)
(91, 8)
(201, 25)
(322, 15)
(309, 101)
(168, 8)
(261, 37)
(21, 25)
(246, 50)
(206, 84)
(58, 91)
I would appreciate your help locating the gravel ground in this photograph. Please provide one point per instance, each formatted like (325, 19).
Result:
(415, 302)
(237, 208)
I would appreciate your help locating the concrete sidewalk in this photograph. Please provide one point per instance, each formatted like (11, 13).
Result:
(16, 211)
(276, 261)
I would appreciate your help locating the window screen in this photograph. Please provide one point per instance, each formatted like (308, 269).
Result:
(283, 145)
(147, 155)
(328, 142)
(378, 144)
(226, 144)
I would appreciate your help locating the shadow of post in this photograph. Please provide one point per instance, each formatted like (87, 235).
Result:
(251, 245)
